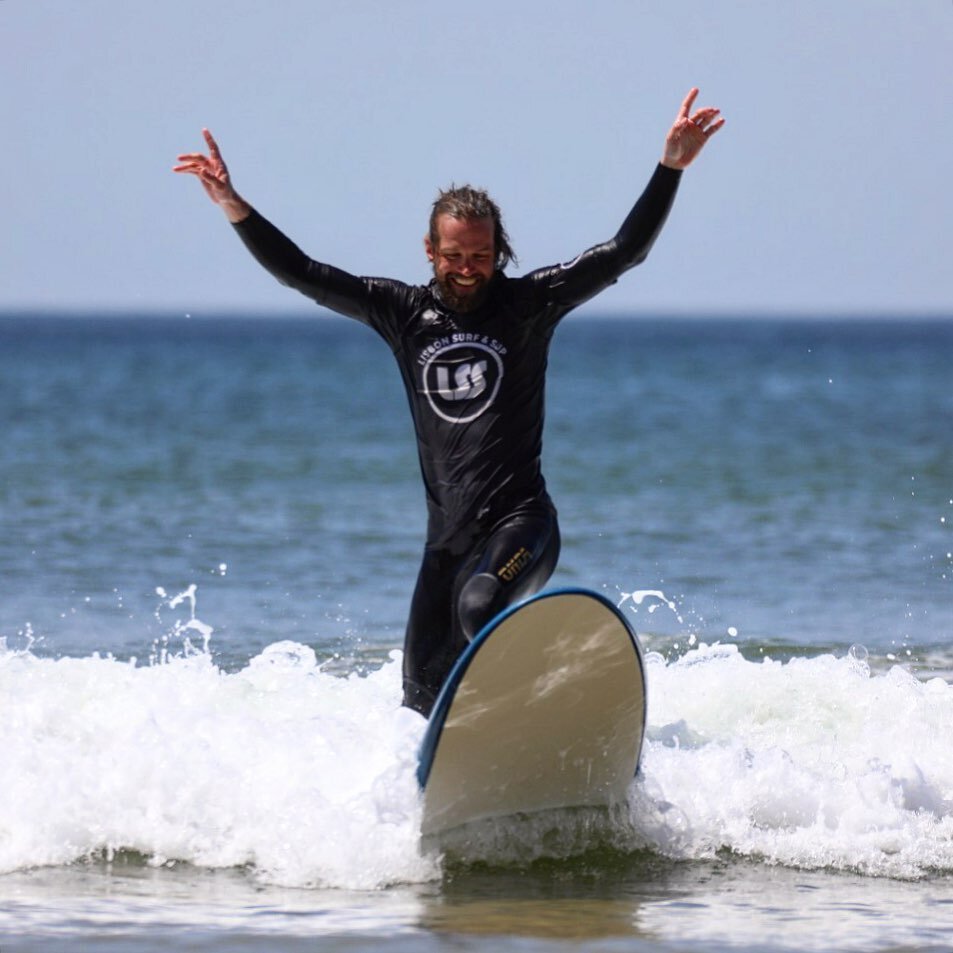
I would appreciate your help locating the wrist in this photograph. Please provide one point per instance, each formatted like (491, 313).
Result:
(236, 209)
(672, 163)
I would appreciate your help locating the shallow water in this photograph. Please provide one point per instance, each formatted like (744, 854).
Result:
(601, 902)
(208, 536)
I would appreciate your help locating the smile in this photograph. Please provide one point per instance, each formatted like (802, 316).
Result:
(465, 282)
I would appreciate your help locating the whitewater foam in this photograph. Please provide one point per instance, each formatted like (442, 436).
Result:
(814, 762)
(304, 776)
(307, 778)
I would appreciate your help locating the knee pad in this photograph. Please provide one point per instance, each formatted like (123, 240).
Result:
(478, 603)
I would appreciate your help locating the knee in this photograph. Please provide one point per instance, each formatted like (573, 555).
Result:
(479, 601)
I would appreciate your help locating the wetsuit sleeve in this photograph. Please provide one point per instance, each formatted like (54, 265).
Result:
(328, 286)
(600, 266)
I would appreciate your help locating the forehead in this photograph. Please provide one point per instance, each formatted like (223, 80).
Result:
(464, 232)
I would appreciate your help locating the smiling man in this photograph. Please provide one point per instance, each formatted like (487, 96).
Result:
(472, 347)
(466, 245)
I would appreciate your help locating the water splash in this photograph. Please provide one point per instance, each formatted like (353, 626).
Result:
(180, 628)
(652, 600)
(307, 776)
(808, 762)
(639, 596)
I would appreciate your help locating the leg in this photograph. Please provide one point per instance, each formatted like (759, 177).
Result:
(430, 646)
(456, 596)
(516, 562)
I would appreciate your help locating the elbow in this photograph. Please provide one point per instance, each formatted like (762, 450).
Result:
(644, 247)
(299, 275)
(638, 257)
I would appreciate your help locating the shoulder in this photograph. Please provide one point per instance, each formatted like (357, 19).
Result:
(394, 297)
(396, 308)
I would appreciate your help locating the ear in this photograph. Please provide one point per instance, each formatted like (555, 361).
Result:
(428, 248)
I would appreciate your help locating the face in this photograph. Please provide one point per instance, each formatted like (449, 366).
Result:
(463, 260)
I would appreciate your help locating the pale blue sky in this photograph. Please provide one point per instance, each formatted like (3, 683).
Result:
(827, 191)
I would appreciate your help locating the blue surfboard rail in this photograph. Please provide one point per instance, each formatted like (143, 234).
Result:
(428, 745)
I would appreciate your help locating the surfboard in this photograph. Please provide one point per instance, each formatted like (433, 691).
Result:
(545, 709)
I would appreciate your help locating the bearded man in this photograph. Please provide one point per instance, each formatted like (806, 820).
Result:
(472, 348)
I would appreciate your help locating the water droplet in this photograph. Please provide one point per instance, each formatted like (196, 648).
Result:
(858, 652)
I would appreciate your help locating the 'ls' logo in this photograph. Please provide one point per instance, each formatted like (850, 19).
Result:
(470, 381)
(462, 380)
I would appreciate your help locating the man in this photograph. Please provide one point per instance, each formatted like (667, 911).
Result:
(472, 349)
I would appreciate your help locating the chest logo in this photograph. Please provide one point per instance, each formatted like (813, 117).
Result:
(462, 380)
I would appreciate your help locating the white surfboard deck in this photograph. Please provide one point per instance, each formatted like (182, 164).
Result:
(545, 709)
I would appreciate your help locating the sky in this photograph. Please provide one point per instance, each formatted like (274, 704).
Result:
(827, 191)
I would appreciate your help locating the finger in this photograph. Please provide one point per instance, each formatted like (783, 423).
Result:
(704, 117)
(687, 103)
(195, 167)
(191, 157)
(212, 182)
(212, 145)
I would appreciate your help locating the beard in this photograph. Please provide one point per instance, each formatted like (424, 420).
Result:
(462, 303)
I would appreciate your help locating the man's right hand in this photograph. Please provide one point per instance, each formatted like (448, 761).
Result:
(212, 172)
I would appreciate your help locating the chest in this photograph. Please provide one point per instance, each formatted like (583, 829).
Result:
(461, 367)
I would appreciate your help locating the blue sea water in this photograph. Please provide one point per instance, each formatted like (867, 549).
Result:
(209, 531)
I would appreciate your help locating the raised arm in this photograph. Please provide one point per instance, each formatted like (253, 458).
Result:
(324, 284)
(684, 141)
(212, 172)
(601, 265)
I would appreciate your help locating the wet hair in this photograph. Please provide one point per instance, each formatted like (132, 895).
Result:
(467, 203)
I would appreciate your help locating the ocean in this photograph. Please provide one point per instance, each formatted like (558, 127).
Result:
(210, 528)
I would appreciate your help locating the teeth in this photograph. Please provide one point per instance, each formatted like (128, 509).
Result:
(467, 282)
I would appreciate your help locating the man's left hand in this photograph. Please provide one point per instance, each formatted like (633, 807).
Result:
(689, 133)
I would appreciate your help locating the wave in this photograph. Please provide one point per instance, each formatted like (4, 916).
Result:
(306, 776)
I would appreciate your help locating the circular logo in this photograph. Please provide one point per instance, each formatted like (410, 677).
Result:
(462, 380)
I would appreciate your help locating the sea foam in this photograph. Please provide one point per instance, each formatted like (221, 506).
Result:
(304, 776)
(814, 762)
(307, 778)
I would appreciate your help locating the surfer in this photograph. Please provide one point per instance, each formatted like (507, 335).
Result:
(472, 348)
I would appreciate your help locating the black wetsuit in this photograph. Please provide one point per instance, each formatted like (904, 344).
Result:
(475, 383)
